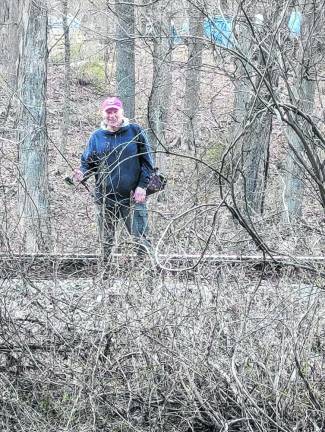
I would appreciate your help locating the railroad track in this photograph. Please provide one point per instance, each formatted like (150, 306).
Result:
(87, 265)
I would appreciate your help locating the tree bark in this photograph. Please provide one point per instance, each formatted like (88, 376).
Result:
(253, 120)
(193, 72)
(9, 41)
(125, 56)
(67, 78)
(241, 81)
(256, 157)
(109, 51)
(33, 150)
(294, 187)
(4, 26)
(161, 79)
(302, 96)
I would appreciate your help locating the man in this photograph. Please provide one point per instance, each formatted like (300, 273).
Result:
(120, 157)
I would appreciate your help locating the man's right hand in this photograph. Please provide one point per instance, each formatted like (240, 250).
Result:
(77, 175)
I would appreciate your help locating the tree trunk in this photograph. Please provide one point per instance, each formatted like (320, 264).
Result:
(302, 96)
(13, 43)
(125, 56)
(109, 51)
(252, 125)
(294, 187)
(253, 119)
(258, 163)
(67, 78)
(4, 26)
(193, 71)
(4, 56)
(33, 151)
(161, 79)
(241, 81)
(9, 41)
(256, 150)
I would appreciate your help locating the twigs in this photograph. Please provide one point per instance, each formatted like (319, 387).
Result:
(184, 353)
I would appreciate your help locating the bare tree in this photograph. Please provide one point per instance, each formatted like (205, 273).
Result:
(267, 65)
(300, 132)
(33, 191)
(9, 38)
(4, 24)
(192, 84)
(241, 76)
(257, 70)
(67, 77)
(125, 55)
(161, 78)
(109, 49)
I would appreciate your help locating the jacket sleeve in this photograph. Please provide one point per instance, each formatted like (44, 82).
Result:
(146, 159)
(89, 158)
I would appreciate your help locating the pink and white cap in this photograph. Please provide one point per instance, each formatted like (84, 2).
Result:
(112, 102)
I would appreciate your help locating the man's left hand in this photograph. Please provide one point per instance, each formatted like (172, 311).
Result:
(139, 195)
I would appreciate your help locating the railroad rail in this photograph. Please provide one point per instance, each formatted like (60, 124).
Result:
(88, 265)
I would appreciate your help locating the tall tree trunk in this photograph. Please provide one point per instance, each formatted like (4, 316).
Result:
(252, 118)
(4, 55)
(302, 96)
(125, 56)
(250, 134)
(9, 42)
(161, 79)
(193, 71)
(67, 77)
(294, 186)
(33, 151)
(109, 50)
(4, 26)
(256, 157)
(241, 81)
(13, 43)
(258, 164)
(242, 95)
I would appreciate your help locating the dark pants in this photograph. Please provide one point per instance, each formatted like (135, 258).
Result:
(135, 217)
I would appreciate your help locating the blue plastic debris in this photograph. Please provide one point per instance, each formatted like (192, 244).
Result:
(178, 32)
(56, 22)
(294, 23)
(219, 30)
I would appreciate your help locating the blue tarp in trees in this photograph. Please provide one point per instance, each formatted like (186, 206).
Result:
(56, 22)
(219, 30)
(178, 32)
(294, 23)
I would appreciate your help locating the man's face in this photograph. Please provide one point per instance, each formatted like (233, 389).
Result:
(114, 117)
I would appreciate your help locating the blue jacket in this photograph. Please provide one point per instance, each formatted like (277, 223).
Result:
(120, 160)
